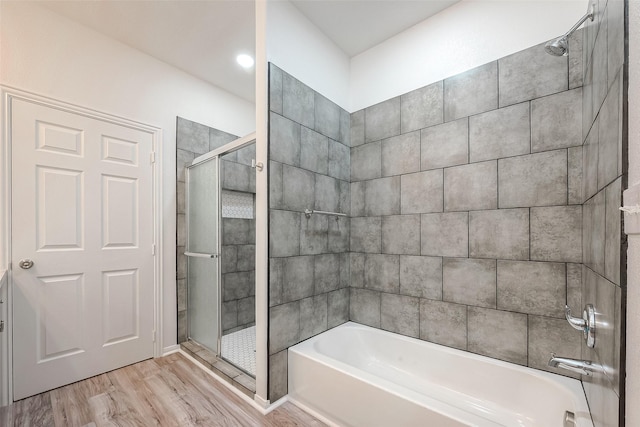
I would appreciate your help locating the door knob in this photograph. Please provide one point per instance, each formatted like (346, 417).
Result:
(25, 263)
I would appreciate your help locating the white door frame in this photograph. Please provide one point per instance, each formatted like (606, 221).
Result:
(7, 94)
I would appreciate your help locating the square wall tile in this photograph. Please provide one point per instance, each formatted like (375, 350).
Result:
(609, 137)
(606, 318)
(297, 101)
(192, 136)
(401, 234)
(422, 107)
(471, 187)
(422, 192)
(500, 133)
(556, 234)
(382, 120)
(357, 198)
(590, 162)
(183, 159)
(366, 162)
(284, 140)
(314, 234)
(574, 172)
(326, 276)
(339, 160)
(327, 197)
(356, 270)
(421, 276)
(284, 326)
(327, 117)
(275, 89)
(499, 234)
(532, 287)
(445, 234)
(594, 233)
(574, 286)
(356, 129)
(401, 154)
(534, 180)
(314, 151)
(366, 234)
(364, 307)
(556, 121)
(313, 316)
(298, 188)
(339, 230)
(472, 92)
(400, 314)
(548, 335)
(284, 233)
(575, 59)
(469, 281)
(246, 310)
(275, 185)
(345, 128)
(382, 196)
(276, 278)
(599, 61)
(445, 145)
(498, 334)
(297, 278)
(612, 231)
(278, 375)
(382, 273)
(615, 38)
(218, 138)
(337, 307)
(531, 73)
(443, 323)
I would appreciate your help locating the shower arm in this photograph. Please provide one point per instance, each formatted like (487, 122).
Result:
(590, 15)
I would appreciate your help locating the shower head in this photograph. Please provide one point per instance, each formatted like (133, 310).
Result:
(560, 46)
(557, 47)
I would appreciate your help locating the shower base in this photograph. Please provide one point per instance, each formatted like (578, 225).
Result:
(239, 348)
(241, 380)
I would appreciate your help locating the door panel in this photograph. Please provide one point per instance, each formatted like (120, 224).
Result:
(203, 289)
(82, 211)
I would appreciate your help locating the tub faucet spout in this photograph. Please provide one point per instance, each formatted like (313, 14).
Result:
(584, 367)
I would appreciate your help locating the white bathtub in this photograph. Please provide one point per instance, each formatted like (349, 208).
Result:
(354, 375)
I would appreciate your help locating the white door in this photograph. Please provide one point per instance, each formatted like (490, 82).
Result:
(82, 213)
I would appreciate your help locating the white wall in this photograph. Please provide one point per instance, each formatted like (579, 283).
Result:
(464, 36)
(298, 47)
(47, 54)
(633, 253)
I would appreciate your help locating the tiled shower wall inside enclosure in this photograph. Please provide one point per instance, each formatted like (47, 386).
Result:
(192, 140)
(466, 209)
(308, 257)
(238, 309)
(603, 180)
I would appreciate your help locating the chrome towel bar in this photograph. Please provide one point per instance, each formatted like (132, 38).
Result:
(309, 212)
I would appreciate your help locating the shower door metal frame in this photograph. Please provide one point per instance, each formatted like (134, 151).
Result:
(198, 162)
(214, 155)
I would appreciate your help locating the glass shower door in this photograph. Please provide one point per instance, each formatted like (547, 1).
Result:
(203, 288)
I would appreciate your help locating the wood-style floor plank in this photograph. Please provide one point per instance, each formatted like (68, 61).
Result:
(169, 391)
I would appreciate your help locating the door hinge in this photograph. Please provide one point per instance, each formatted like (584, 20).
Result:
(153, 157)
(153, 249)
(153, 335)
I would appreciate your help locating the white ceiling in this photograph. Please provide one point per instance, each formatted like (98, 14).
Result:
(357, 25)
(204, 37)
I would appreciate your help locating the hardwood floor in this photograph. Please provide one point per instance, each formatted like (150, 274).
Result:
(169, 391)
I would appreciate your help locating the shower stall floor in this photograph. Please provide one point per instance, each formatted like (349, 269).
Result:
(239, 348)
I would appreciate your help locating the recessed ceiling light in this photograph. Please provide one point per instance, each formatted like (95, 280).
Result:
(245, 61)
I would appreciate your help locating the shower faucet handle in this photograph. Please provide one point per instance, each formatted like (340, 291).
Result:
(586, 324)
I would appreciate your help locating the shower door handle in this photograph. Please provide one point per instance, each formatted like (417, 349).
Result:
(201, 255)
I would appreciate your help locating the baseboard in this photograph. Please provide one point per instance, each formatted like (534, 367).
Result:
(170, 349)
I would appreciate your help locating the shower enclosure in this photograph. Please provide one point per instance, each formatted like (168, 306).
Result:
(220, 253)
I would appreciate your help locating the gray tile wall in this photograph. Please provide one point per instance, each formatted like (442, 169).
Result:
(192, 140)
(238, 245)
(602, 172)
(466, 209)
(309, 168)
